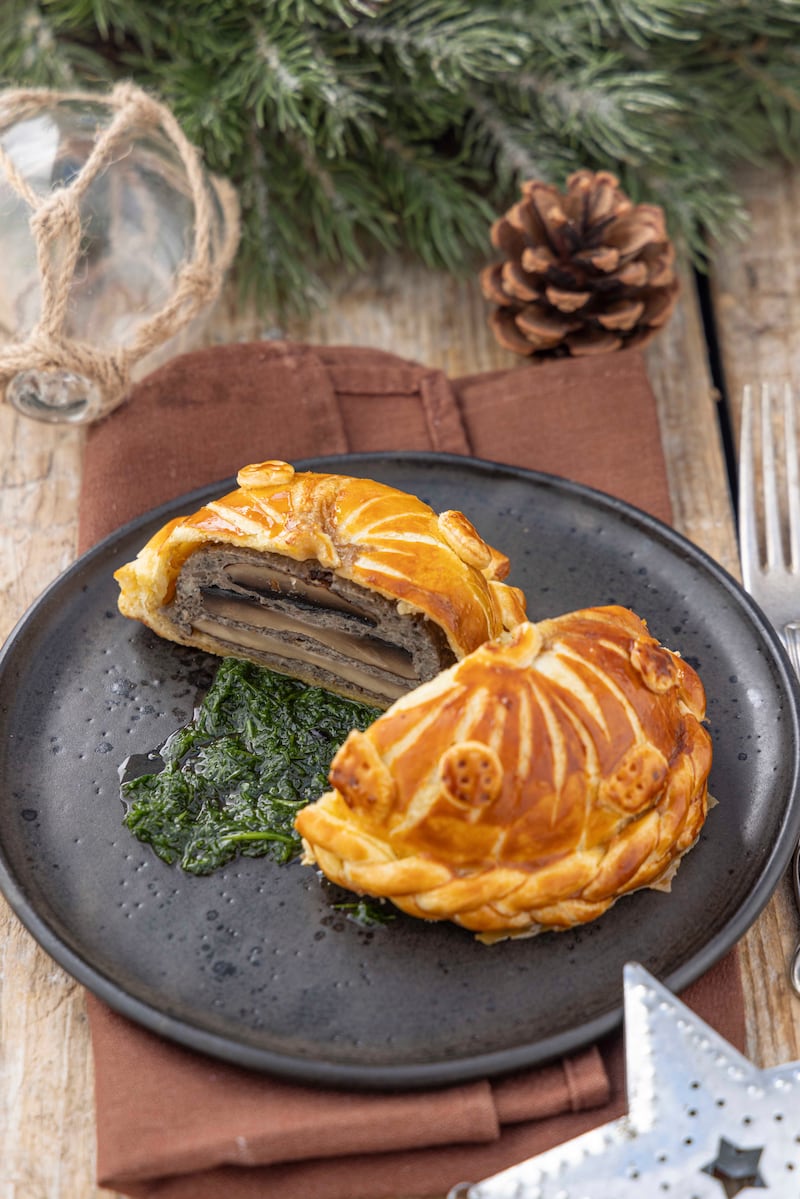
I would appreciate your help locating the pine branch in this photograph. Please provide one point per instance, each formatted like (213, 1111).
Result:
(457, 42)
(352, 125)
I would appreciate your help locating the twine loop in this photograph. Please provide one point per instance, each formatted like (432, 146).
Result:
(56, 216)
(59, 211)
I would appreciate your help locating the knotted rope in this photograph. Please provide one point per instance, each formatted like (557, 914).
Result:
(56, 215)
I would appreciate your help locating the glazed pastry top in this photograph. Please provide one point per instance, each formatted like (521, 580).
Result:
(529, 785)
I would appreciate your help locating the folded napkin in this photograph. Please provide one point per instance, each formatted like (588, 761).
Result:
(174, 1124)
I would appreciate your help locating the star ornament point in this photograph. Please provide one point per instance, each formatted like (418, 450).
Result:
(703, 1122)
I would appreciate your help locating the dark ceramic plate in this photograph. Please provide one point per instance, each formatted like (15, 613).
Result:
(253, 964)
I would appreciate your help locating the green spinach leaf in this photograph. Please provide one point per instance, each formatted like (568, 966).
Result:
(257, 750)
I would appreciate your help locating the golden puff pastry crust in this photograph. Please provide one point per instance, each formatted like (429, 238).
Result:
(529, 786)
(342, 582)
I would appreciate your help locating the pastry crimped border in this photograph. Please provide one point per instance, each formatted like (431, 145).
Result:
(421, 887)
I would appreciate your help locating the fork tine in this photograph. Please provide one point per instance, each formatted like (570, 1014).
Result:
(792, 477)
(769, 484)
(748, 540)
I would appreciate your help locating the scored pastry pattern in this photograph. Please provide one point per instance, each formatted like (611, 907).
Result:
(375, 536)
(527, 787)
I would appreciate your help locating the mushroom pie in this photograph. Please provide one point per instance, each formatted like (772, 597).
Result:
(343, 583)
(529, 786)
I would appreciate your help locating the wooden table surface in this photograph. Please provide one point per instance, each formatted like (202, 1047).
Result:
(46, 1114)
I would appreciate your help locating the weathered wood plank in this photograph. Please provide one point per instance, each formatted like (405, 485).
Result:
(39, 484)
(677, 365)
(46, 1108)
(756, 285)
(399, 307)
(755, 288)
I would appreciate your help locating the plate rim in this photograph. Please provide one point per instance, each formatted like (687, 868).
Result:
(227, 1047)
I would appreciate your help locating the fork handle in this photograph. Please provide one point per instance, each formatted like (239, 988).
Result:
(791, 639)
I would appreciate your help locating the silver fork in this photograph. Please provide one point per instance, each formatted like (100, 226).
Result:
(771, 571)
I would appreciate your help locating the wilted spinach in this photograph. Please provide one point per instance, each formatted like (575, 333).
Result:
(258, 749)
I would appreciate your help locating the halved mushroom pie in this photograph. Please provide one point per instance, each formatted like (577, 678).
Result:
(529, 786)
(344, 583)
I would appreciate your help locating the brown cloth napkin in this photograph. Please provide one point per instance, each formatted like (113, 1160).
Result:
(173, 1124)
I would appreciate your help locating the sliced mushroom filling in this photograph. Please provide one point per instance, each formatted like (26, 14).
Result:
(301, 619)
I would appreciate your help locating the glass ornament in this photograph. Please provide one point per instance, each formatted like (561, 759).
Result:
(113, 239)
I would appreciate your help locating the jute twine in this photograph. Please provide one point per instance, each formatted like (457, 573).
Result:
(57, 215)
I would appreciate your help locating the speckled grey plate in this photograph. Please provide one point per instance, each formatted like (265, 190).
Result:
(253, 964)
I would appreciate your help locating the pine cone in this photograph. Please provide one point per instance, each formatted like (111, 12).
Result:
(584, 273)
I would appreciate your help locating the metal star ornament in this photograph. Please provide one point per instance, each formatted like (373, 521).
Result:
(703, 1122)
